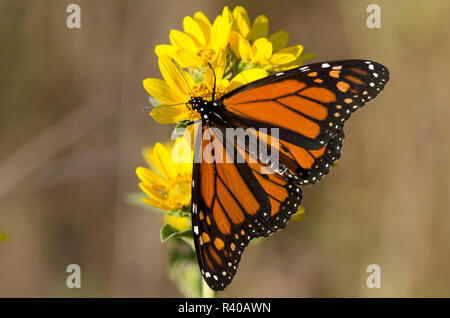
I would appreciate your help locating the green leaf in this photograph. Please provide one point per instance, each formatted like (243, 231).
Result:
(168, 232)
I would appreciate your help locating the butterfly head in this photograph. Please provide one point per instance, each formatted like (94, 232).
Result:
(202, 106)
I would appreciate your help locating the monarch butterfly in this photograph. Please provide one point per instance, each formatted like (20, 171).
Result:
(235, 202)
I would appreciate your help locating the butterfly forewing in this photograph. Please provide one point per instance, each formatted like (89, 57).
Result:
(309, 105)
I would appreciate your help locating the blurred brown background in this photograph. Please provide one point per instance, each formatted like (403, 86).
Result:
(72, 129)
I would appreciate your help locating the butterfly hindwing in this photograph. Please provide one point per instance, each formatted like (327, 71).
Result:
(309, 166)
(232, 203)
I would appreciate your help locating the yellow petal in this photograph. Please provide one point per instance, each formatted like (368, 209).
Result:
(303, 58)
(279, 40)
(188, 59)
(164, 161)
(164, 49)
(281, 59)
(294, 50)
(151, 178)
(147, 153)
(180, 223)
(182, 41)
(204, 24)
(299, 215)
(192, 28)
(240, 46)
(218, 63)
(152, 161)
(286, 55)
(260, 28)
(209, 78)
(175, 78)
(300, 60)
(159, 89)
(190, 133)
(170, 114)
(234, 43)
(262, 51)
(148, 190)
(221, 30)
(153, 202)
(241, 21)
(226, 14)
(246, 77)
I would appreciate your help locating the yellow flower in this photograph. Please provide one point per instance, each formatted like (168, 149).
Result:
(181, 223)
(252, 44)
(3, 237)
(299, 215)
(175, 90)
(167, 183)
(200, 42)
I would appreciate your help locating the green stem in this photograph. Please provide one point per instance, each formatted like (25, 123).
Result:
(189, 241)
(206, 291)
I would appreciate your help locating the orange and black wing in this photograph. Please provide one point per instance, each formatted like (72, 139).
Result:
(233, 201)
(308, 106)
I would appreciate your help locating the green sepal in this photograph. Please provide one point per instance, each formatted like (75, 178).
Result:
(168, 232)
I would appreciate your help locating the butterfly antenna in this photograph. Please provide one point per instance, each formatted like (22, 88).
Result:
(214, 88)
(181, 72)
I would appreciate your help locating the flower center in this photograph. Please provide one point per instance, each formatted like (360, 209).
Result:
(206, 54)
(179, 190)
(201, 90)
